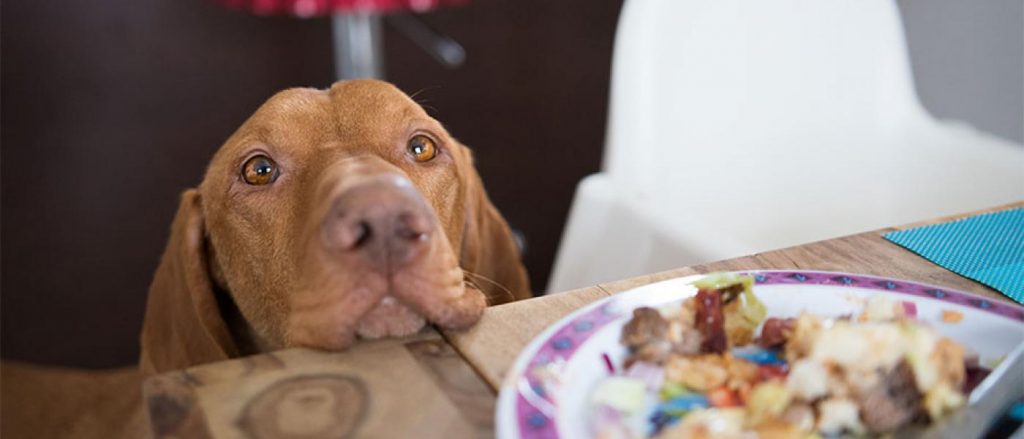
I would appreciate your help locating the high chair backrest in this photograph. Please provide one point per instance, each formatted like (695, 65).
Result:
(695, 82)
(741, 126)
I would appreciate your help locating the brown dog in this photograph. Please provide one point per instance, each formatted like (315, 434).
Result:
(328, 216)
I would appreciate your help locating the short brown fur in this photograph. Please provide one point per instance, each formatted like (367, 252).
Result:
(254, 252)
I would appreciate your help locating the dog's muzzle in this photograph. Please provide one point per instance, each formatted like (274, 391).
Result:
(380, 265)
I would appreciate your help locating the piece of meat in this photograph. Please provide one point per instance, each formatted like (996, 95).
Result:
(655, 352)
(893, 403)
(646, 336)
(710, 322)
(776, 332)
(688, 340)
(647, 326)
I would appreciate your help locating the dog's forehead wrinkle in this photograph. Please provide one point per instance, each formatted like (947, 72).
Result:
(369, 104)
(363, 89)
(296, 116)
(295, 99)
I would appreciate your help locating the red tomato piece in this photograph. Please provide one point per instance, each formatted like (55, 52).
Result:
(771, 372)
(744, 392)
(723, 397)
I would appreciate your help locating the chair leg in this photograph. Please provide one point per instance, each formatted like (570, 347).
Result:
(441, 47)
(357, 45)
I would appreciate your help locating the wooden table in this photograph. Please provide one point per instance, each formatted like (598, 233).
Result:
(444, 384)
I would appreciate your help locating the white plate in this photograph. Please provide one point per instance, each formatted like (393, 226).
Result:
(545, 393)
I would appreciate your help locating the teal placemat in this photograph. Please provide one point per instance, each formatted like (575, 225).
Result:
(988, 248)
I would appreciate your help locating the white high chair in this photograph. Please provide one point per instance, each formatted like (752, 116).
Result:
(737, 127)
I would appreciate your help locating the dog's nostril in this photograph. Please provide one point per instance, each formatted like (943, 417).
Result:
(409, 234)
(412, 227)
(363, 233)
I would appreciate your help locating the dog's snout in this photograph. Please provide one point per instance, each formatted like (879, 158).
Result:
(384, 221)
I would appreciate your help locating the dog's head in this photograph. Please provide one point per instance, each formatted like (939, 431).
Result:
(329, 215)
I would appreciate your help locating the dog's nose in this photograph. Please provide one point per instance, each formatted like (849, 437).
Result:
(384, 220)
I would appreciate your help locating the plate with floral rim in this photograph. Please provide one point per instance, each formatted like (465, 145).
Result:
(545, 393)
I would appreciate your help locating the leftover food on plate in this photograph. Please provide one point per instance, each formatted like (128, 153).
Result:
(717, 365)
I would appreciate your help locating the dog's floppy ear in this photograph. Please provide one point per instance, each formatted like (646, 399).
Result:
(488, 250)
(183, 326)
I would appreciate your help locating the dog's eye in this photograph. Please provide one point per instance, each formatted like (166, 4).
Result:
(259, 170)
(422, 148)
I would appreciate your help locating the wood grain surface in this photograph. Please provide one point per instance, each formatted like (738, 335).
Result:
(444, 384)
(414, 387)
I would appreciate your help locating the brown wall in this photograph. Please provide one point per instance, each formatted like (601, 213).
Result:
(110, 109)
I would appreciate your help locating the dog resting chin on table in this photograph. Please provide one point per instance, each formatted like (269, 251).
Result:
(329, 216)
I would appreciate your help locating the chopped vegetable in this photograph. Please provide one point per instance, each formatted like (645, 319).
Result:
(608, 363)
(684, 404)
(671, 390)
(760, 356)
(723, 397)
(909, 309)
(700, 373)
(669, 412)
(942, 399)
(712, 422)
(719, 280)
(770, 372)
(741, 372)
(742, 311)
(880, 309)
(952, 316)
(838, 415)
(609, 423)
(743, 391)
(651, 374)
(750, 313)
(620, 393)
(767, 401)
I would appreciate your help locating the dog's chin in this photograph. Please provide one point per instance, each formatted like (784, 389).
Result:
(390, 318)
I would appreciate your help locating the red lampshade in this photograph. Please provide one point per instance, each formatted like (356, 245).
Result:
(311, 8)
